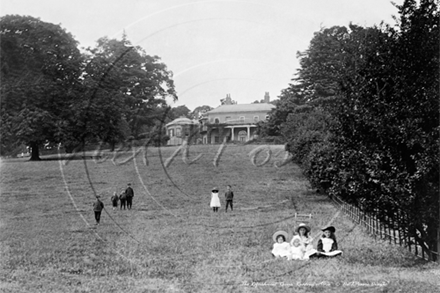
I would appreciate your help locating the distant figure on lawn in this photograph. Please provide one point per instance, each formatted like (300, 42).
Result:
(123, 199)
(114, 200)
(215, 200)
(98, 206)
(229, 196)
(327, 245)
(129, 193)
(305, 239)
(281, 248)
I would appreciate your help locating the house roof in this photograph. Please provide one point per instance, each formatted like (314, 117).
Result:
(242, 108)
(182, 121)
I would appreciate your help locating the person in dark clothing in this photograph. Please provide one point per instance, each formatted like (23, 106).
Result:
(98, 206)
(114, 199)
(123, 199)
(327, 245)
(229, 195)
(129, 193)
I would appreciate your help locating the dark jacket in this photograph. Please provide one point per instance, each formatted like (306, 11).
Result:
(98, 206)
(129, 192)
(229, 195)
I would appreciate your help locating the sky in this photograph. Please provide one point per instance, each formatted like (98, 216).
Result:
(244, 48)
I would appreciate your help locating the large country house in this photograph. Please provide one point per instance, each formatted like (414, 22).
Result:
(230, 122)
(233, 122)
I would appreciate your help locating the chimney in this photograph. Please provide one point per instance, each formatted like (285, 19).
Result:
(228, 100)
(266, 98)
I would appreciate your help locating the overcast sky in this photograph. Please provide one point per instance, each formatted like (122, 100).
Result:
(214, 47)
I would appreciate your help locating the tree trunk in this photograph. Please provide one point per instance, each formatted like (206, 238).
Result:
(35, 152)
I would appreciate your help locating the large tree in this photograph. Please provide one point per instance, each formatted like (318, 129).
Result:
(40, 66)
(333, 53)
(199, 111)
(179, 111)
(132, 85)
(388, 136)
(383, 153)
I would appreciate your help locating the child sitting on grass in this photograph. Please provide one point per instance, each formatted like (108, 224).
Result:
(305, 239)
(281, 248)
(298, 249)
(327, 245)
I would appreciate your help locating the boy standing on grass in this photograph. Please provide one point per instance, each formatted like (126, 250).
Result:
(123, 199)
(98, 206)
(229, 195)
(129, 193)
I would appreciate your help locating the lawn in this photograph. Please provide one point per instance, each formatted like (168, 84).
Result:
(171, 241)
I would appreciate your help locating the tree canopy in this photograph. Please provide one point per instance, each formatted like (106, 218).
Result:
(40, 66)
(53, 93)
(361, 117)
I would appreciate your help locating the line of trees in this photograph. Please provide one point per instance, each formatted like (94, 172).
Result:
(362, 117)
(54, 93)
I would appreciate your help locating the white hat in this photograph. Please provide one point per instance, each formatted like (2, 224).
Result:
(302, 225)
(278, 233)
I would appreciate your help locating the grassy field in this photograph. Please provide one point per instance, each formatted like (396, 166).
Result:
(171, 241)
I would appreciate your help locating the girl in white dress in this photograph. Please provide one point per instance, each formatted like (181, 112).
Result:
(281, 248)
(297, 249)
(215, 200)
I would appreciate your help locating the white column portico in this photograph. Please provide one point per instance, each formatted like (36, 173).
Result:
(247, 126)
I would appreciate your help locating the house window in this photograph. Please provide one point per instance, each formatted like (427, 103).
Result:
(227, 118)
(170, 132)
(211, 119)
(178, 132)
(256, 118)
(267, 117)
(217, 120)
(241, 118)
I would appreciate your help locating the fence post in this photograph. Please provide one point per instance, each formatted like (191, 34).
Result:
(399, 227)
(380, 229)
(389, 228)
(369, 223)
(408, 232)
(374, 225)
(394, 230)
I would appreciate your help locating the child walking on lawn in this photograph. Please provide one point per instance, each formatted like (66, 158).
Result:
(98, 206)
(123, 199)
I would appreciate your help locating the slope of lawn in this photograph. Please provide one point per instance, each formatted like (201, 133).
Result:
(171, 241)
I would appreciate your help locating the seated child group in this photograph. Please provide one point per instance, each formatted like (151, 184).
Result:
(301, 247)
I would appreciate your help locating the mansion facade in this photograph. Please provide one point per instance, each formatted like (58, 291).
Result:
(228, 122)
